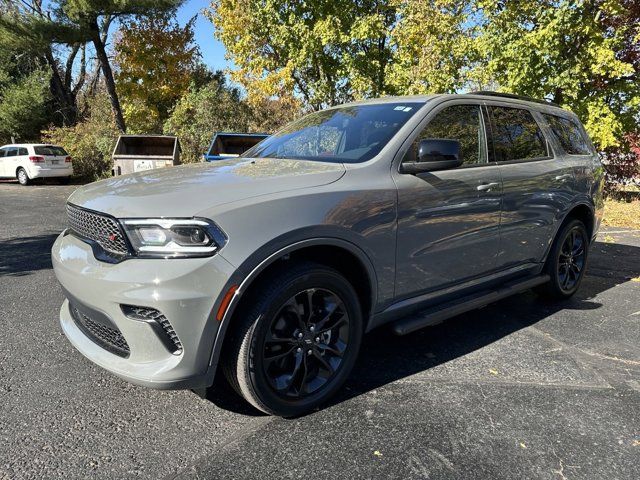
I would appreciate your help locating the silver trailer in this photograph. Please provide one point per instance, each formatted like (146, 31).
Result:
(135, 153)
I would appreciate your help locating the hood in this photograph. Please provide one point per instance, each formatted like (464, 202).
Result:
(186, 190)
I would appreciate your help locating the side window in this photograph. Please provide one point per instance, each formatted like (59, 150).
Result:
(569, 135)
(516, 135)
(12, 152)
(3, 152)
(22, 151)
(458, 122)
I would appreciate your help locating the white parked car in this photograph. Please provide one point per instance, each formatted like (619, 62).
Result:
(27, 161)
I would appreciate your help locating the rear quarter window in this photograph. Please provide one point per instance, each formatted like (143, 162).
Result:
(22, 151)
(569, 135)
(516, 135)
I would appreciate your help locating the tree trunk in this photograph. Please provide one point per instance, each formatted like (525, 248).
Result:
(65, 97)
(108, 76)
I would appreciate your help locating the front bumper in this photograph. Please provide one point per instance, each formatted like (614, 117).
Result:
(184, 290)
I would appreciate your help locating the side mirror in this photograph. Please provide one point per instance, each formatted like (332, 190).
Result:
(435, 154)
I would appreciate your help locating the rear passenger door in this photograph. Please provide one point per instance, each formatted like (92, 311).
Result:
(537, 184)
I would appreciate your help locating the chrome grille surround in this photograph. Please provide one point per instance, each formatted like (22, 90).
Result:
(102, 229)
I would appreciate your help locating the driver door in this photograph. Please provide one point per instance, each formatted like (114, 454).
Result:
(448, 220)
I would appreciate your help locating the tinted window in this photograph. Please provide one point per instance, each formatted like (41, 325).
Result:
(22, 151)
(346, 134)
(12, 152)
(569, 135)
(458, 122)
(50, 151)
(516, 135)
(3, 152)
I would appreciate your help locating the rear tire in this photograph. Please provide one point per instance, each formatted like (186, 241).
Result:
(296, 340)
(23, 177)
(567, 262)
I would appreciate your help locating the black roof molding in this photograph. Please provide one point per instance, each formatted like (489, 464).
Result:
(490, 93)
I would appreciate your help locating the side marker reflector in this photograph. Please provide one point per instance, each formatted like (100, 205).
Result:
(225, 302)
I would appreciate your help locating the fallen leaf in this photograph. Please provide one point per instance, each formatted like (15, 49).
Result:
(636, 443)
(493, 372)
(377, 453)
(522, 445)
(609, 239)
(636, 279)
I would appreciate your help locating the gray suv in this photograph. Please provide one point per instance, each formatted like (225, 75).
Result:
(397, 211)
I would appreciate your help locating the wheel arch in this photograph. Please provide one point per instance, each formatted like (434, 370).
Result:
(344, 256)
(583, 211)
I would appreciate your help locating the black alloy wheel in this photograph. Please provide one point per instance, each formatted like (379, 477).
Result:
(572, 258)
(567, 261)
(305, 343)
(296, 339)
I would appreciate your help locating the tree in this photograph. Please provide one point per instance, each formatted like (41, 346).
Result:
(24, 107)
(434, 46)
(24, 37)
(85, 15)
(567, 52)
(155, 62)
(325, 52)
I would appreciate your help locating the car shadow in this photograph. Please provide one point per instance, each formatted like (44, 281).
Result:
(24, 255)
(385, 358)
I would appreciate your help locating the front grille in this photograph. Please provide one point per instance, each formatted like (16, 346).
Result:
(100, 228)
(109, 338)
(157, 318)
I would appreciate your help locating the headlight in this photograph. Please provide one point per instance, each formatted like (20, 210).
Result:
(167, 237)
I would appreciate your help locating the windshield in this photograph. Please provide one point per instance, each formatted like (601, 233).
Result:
(347, 134)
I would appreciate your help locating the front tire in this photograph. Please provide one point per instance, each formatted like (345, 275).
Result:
(23, 177)
(567, 261)
(296, 341)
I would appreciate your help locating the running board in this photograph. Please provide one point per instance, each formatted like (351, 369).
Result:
(439, 313)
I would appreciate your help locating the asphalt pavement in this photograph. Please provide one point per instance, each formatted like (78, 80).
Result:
(519, 389)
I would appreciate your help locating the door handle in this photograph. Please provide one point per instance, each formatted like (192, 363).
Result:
(486, 187)
(564, 178)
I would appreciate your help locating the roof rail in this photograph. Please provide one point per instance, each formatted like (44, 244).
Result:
(490, 93)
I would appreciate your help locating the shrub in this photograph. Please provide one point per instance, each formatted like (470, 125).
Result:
(24, 108)
(201, 112)
(91, 141)
(216, 107)
(622, 165)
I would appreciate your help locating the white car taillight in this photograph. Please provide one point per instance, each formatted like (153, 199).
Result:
(36, 159)
(67, 159)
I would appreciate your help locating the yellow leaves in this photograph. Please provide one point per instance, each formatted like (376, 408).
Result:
(609, 239)
(523, 446)
(636, 279)
(377, 453)
(621, 214)
(155, 59)
(493, 371)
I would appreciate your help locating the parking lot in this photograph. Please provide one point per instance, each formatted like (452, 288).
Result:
(519, 389)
